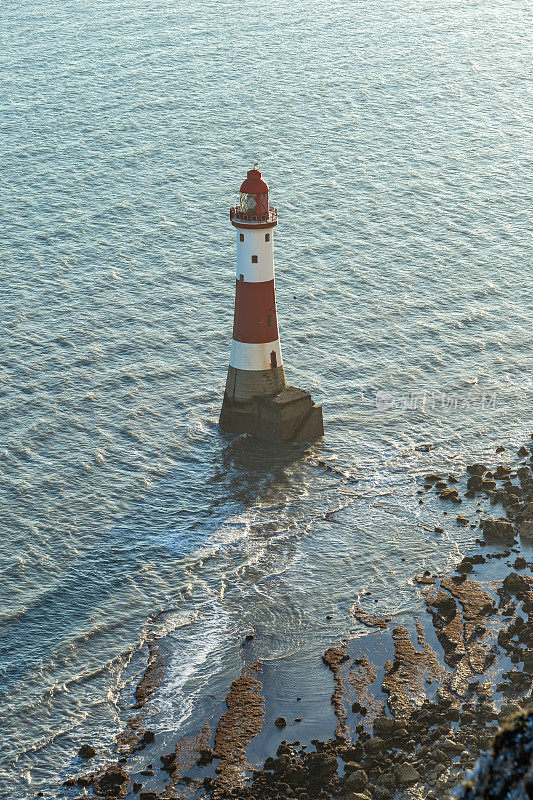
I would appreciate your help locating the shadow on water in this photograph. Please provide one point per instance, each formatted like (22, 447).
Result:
(171, 522)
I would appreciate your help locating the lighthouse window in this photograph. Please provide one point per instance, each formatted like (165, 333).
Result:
(267, 237)
(254, 259)
(241, 237)
(273, 359)
(271, 320)
(241, 277)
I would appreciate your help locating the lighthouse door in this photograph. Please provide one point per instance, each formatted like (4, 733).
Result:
(273, 360)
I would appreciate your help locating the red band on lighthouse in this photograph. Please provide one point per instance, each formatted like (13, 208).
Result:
(255, 319)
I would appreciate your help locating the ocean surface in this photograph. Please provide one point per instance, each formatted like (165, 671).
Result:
(396, 138)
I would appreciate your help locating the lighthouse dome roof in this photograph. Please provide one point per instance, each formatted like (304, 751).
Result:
(253, 183)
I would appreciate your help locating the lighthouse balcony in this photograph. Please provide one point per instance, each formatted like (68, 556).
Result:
(242, 218)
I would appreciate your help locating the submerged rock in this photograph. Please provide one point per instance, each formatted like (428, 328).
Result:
(86, 751)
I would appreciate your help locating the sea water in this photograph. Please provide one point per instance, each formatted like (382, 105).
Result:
(395, 137)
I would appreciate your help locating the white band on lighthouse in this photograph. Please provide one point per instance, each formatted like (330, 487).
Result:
(255, 356)
(255, 255)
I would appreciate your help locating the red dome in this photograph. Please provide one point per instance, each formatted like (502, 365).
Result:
(253, 184)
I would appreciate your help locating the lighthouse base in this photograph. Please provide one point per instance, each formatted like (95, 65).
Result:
(289, 416)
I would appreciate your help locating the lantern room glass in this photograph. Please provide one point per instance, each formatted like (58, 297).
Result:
(254, 204)
(248, 203)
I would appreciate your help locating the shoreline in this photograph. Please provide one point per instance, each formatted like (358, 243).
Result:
(414, 703)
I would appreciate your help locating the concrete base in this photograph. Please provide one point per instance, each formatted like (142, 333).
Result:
(289, 416)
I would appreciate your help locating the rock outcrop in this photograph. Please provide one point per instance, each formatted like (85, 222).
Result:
(507, 770)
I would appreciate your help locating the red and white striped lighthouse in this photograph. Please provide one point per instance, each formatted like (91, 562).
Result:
(257, 399)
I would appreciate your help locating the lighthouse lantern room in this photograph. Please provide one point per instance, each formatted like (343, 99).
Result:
(257, 399)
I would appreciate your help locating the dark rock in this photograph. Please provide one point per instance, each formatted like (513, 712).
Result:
(282, 764)
(385, 726)
(523, 451)
(444, 604)
(500, 448)
(351, 754)
(280, 722)
(497, 496)
(137, 786)
(113, 782)
(374, 746)
(406, 774)
(84, 780)
(525, 530)
(425, 580)
(169, 762)
(352, 766)
(432, 478)
(149, 737)
(322, 764)
(356, 781)
(149, 794)
(517, 584)
(86, 751)
(451, 495)
(520, 563)
(502, 472)
(474, 483)
(462, 521)
(334, 656)
(497, 529)
(476, 469)
(206, 756)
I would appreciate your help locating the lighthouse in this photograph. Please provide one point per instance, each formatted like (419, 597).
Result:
(257, 400)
